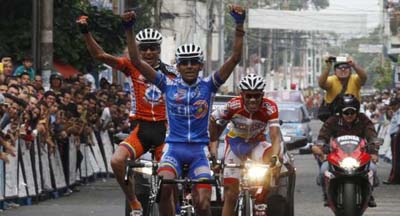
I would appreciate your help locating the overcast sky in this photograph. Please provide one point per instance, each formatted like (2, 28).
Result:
(369, 7)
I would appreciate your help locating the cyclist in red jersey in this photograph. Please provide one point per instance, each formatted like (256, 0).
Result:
(249, 115)
(148, 119)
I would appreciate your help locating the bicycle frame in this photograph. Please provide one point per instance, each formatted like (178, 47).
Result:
(152, 208)
(186, 207)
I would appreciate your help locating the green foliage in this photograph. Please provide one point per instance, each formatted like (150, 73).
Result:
(383, 76)
(69, 47)
(16, 26)
(320, 4)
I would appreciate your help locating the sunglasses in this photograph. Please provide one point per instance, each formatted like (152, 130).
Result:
(349, 112)
(152, 48)
(251, 96)
(343, 67)
(189, 61)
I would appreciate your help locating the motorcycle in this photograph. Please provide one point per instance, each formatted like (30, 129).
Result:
(348, 181)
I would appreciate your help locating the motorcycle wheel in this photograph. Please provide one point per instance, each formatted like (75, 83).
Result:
(290, 195)
(127, 208)
(153, 209)
(349, 199)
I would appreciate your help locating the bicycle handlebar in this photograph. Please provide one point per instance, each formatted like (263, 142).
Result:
(137, 164)
(189, 181)
(246, 165)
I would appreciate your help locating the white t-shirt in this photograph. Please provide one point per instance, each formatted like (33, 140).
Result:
(89, 78)
(105, 117)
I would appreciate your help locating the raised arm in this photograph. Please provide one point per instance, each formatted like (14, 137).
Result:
(324, 75)
(239, 14)
(95, 50)
(359, 70)
(128, 20)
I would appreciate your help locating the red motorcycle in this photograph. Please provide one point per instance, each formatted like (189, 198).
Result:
(348, 181)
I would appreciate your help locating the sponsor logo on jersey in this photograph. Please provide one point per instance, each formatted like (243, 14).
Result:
(201, 109)
(234, 104)
(198, 110)
(180, 95)
(152, 94)
(270, 109)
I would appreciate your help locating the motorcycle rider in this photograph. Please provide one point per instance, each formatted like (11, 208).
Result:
(349, 122)
(249, 114)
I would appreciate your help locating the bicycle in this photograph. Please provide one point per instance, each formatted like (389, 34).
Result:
(185, 185)
(152, 205)
(253, 177)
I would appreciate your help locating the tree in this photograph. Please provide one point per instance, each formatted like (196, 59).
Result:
(384, 78)
(16, 25)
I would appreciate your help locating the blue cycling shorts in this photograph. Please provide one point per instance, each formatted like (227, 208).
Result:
(195, 156)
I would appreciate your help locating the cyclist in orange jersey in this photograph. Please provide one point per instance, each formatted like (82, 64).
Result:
(148, 118)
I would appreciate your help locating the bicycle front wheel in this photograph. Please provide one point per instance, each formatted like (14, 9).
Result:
(245, 205)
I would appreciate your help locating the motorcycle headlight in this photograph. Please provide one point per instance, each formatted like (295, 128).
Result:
(256, 173)
(349, 164)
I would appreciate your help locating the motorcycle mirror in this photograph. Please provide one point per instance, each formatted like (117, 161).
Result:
(376, 141)
(319, 142)
(296, 143)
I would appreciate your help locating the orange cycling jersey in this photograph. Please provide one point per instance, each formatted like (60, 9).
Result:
(149, 102)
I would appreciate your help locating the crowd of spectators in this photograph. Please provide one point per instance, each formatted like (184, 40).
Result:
(69, 108)
(380, 108)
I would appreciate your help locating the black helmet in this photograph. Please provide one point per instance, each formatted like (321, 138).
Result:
(56, 75)
(349, 101)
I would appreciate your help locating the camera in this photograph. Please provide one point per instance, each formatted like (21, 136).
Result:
(337, 59)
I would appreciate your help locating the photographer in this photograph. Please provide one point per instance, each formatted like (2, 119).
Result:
(343, 81)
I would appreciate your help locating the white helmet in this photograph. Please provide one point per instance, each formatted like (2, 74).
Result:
(252, 82)
(189, 51)
(149, 35)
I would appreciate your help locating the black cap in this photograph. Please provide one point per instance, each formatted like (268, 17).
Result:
(394, 102)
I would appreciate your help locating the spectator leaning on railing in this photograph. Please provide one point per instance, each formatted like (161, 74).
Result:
(53, 120)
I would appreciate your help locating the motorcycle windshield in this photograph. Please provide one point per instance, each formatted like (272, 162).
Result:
(348, 143)
(348, 148)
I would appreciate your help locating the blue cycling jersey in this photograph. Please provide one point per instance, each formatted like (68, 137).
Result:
(188, 107)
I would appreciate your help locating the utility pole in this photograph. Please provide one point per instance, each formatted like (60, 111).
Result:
(292, 55)
(46, 40)
(259, 48)
(157, 14)
(285, 60)
(269, 51)
(210, 20)
(221, 39)
(35, 34)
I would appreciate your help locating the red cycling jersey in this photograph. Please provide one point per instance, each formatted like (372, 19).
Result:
(149, 102)
(249, 126)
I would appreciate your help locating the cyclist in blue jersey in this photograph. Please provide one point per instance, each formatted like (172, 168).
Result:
(188, 99)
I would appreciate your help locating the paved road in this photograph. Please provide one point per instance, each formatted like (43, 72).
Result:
(103, 198)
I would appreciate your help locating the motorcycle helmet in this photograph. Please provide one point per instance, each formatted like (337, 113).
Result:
(252, 82)
(349, 101)
(56, 75)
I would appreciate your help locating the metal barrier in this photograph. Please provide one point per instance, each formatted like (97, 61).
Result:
(35, 174)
